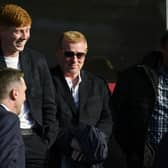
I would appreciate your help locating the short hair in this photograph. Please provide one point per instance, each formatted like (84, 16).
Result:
(71, 36)
(14, 15)
(164, 40)
(8, 77)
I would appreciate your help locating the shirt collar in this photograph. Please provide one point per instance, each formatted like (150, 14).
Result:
(69, 81)
(3, 105)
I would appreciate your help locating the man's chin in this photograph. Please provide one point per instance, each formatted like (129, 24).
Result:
(20, 49)
(74, 71)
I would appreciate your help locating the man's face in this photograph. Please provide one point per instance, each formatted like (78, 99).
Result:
(72, 57)
(13, 39)
(21, 95)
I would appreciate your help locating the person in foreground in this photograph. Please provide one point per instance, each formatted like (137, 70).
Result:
(37, 118)
(12, 96)
(139, 103)
(84, 112)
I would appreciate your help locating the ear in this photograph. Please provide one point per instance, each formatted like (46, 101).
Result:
(13, 94)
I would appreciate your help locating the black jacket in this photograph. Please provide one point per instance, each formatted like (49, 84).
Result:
(12, 151)
(133, 103)
(94, 109)
(40, 93)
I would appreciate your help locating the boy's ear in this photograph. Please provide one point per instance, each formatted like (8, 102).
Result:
(13, 93)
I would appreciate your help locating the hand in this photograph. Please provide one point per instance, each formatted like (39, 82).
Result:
(75, 145)
(78, 156)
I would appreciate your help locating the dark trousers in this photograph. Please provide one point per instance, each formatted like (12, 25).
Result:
(36, 152)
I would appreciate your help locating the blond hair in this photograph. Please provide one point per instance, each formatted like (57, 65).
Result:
(71, 36)
(8, 77)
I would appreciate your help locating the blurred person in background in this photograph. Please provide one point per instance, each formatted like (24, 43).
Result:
(140, 107)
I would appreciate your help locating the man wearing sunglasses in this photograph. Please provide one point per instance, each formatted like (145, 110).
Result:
(84, 112)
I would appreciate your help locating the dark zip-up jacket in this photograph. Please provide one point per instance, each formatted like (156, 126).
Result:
(133, 103)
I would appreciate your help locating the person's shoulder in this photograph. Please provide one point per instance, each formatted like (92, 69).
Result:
(56, 70)
(35, 57)
(129, 70)
(152, 58)
(129, 74)
(93, 77)
(7, 116)
(33, 53)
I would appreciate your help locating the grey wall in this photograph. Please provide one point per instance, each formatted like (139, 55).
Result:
(119, 32)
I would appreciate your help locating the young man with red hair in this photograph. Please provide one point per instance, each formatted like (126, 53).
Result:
(37, 117)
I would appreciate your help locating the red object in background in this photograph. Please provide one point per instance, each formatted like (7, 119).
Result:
(111, 86)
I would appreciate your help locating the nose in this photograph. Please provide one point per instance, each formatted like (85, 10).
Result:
(75, 58)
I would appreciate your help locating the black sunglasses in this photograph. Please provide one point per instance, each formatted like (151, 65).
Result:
(70, 54)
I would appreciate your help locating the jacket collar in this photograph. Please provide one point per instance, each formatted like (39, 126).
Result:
(84, 89)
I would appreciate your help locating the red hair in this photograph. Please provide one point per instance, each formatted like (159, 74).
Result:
(14, 15)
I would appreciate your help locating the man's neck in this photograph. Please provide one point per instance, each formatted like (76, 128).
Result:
(9, 53)
(8, 105)
(73, 78)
